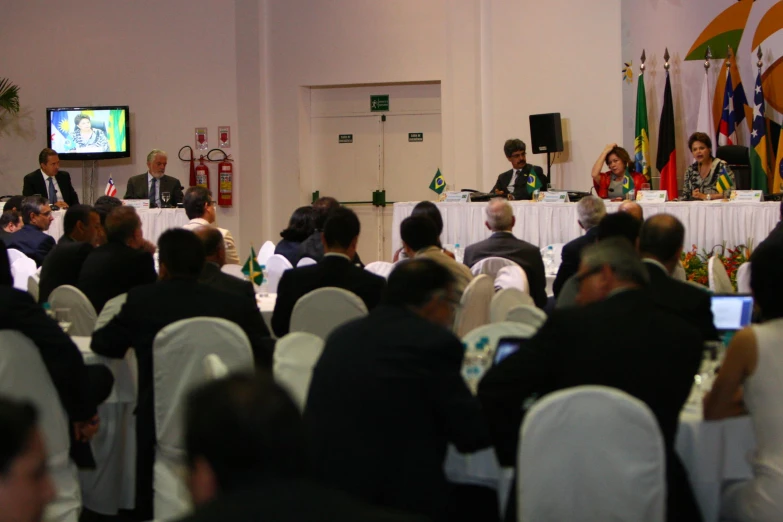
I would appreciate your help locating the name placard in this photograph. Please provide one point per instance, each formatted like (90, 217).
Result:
(746, 196)
(651, 196)
(137, 203)
(457, 197)
(553, 197)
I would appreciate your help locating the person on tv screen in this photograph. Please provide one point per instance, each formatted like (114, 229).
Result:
(87, 139)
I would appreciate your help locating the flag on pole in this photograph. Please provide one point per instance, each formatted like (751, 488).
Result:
(667, 150)
(533, 182)
(111, 190)
(741, 106)
(641, 142)
(758, 141)
(724, 180)
(777, 185)
(252, 269)
(438, 183)
(628, 184)
(705, 123)
(727, 134)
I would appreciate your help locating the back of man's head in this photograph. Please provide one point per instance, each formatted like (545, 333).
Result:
(13, 203)
(661, 237)
(500, 216)
(323, 207)
(238, 430)
(418, 233)
(214, 244)
(181, 254)
(619, 224)
(32, 205)
(341, 228)
(17, 422)
(195, 199)
(104, 205)
(122, 224)
(633, 208)
(10, 217)
(414, 282)
(76, 214)
(617, 253)
(590, 210)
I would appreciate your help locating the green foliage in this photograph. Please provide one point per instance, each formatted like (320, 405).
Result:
(9, 96)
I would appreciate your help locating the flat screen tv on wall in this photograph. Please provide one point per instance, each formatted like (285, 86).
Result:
(89, 133)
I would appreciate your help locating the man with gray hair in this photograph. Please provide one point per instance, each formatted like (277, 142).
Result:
(619, 338)
(590, 210)
(502, 243)
(151, 184)
(523, 179)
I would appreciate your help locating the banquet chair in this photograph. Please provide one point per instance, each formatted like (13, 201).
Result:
(110, 309)
(306, 261)
(718, 278)
(380, 268)
(295, 357)
(22, 268)
(743, 278)
(234, 270)
(611, 446)
(266, 251)
(474, 305)
(275, 267)
(679, 273)
(322, 310)
(527, 314)
(23, 376)
(505, 300)
(178, 354)
(32, 287)
(512, 277)
(490, 334)
(491, 266)
(82, 313)
(214, 368)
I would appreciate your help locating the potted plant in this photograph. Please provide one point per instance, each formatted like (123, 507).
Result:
(9, 96)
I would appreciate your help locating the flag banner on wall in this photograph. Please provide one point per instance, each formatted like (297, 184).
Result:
(758, 141)
(727, 134)
(438, 183)
(742, 109)
(641, 141)
(667, 151)
(705, 123)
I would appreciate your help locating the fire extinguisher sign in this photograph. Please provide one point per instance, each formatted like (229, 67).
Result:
(224, 137)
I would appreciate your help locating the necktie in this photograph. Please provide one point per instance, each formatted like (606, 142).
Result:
(153, 193)
(514, 180)
(52, 192)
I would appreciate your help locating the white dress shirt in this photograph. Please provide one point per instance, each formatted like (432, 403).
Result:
(58, 196)
(150, 177)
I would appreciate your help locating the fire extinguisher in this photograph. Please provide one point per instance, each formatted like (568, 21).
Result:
(225, 182)
(202, 174)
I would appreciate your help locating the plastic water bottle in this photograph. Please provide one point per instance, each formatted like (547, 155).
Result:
(549, 259)
(263, 288)
(459, 253)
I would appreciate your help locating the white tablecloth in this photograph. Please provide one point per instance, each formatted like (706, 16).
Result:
(154, 222)
(706, 223)
(266, 305)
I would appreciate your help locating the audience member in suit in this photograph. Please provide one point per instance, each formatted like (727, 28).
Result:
(124, 262)
(201, 210)
(633, 208)
(215, 252)
(340, 237)
(26, 487)
(267, 479)
(420, 239)
(590, 210)
(51, 182)
(155, 177)
(502, 243)
(387, 397)
(660, 246)
(13, 203)
(10, 222)
(313, 247)
(653, 357)
(300, 227)
(31, 239)
(516, 182)
(81, 232)
(148, 309)
(103, 205)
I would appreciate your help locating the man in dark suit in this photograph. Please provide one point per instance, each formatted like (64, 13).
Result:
(81, 231)
(215, 252)
(31, 239)
(10, 222)
(267, 479)
(154, 182)
(148, 309)
(660, 246)
(387, 397)
(124, 262)
(502, 243)
(652, 357)
(520, 181)
(51, 182)
(590, 210)
(340, 236)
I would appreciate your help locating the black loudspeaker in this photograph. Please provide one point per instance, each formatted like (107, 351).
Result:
(545, 133)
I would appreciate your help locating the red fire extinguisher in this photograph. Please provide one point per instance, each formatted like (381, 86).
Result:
(202, 174)
(225, 182)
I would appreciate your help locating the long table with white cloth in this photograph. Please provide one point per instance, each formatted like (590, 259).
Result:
(154, 221)
(707, 223)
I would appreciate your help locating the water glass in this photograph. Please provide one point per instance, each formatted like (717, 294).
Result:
(645, 186)
(63, 317)
(165, 196)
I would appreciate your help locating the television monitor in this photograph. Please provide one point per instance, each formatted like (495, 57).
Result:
(89, 133)
(731, 311)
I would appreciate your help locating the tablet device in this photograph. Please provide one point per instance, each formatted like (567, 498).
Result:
(731, 312)
(507, 346)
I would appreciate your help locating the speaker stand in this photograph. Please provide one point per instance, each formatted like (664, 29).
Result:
(548, 169)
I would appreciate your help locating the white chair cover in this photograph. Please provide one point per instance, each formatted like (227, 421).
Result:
(743, 278)
(275, 266)
(718, 278)
(321, 311)
(306, 261)
(24, 376)
(178, 354)
(505, 300)
(590, 453)
(679, 273)
(381, 268)
(33, 287)
(512, 277)
(474, 305)
(234, 270)
(266, 251)
(294, 360)
(527, 314)
(110, 309)
(83, 314)
(491, 266)
(22, 268)
(490, 334)
(214, 367)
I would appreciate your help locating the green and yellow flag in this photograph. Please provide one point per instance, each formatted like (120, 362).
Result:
(252, 269)
(641, 142)
(724, 180)
(628, 184)
(438, 184)
(533, 182)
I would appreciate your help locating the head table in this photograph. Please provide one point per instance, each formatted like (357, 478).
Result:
(154, 221)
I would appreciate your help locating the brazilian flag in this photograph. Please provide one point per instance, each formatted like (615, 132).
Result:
(438, 184)
(533, 182)
(724, 180)
(628, 184)
(252, 269)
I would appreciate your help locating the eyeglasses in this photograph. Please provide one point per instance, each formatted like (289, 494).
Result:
(45, 214)
(591, 272)
(210, 203)
(518, 155)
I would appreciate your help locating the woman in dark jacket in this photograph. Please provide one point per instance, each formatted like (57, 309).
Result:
(300, 227)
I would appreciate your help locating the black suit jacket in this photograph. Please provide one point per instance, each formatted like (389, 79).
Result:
(62, 266)
(113, 269)
(213, 277)
(775, 237)
(290, 250)
(330, 271)
(570, 257)
(138, 188)
(386, 397)
(149, 309)
(520, 187)
(313, 248)
(652, 357)
(505, 245)
(34, 184)
(32, 242)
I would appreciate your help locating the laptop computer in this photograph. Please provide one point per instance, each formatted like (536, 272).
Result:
(731, 312)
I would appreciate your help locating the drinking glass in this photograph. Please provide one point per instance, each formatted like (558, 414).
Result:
(645, 186)
(63, 316)
(630, 195)
(165, 196)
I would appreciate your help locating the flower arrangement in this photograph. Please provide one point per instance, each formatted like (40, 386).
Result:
(695, 262)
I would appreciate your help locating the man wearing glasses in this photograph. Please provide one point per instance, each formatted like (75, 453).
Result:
(201, 211)
(523, 179)
(31, 239)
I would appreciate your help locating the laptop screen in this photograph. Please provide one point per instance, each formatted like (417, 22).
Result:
(731, 312)
(507, 346)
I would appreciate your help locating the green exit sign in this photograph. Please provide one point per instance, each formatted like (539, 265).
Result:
(379, 102)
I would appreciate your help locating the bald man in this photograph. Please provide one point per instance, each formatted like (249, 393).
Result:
(633, 208)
